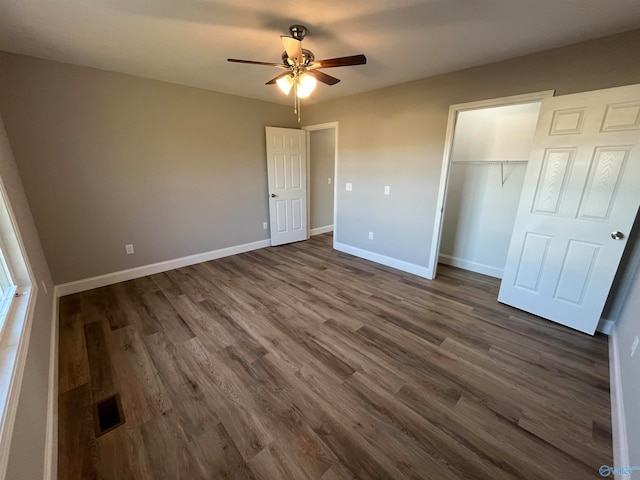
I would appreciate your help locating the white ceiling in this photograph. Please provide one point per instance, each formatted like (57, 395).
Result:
(188, 41)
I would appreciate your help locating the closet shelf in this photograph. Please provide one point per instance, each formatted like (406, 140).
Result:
(502, 163)
(490, 162)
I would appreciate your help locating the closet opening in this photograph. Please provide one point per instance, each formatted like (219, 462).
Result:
(488, 146)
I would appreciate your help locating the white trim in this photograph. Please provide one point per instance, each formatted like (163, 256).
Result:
(321, 230)
(325, 126)
(605, 326)
(17, 327)
(622, 290)
(31, 278)
(307, 141)
(448, 145)
(501, 101)
(382, 259)
(320, 126)
(618, 421)
(51, 441)
(144, 270)
(469, 265)
(16, 333)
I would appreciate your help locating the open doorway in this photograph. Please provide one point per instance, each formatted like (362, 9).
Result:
(486, 150)
(322, 157)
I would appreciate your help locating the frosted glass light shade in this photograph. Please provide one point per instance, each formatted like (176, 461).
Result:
(306, 85)
(285, 83)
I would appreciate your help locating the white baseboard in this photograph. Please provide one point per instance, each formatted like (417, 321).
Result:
(471, 266)
(383, 259)
(618, 421)
(51, 441)
(605, 326)
(137, 272)
(320, 230)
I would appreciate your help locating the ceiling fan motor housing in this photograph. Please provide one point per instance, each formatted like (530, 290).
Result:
(307, 56)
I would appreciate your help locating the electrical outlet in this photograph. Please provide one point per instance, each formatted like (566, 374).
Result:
(387, 189)
(329, 181)
(349, 187)
(634, 345)
(129, 249)
(264, 225)
(370, 235)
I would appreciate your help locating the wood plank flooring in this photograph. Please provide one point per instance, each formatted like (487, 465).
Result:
(300, 362)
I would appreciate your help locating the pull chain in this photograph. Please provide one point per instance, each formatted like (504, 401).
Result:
(296, 99)
(295, 95)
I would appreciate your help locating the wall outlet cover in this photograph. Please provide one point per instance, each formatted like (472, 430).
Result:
(129, 248)
(349, 187)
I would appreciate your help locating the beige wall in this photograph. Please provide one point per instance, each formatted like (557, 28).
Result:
(396, 136)
(322, 147)
(110, 159)
(26, 455)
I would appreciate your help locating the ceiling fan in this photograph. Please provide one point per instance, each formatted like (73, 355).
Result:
(301, 68)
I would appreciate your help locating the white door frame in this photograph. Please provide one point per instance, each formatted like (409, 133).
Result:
(446, 160)
(309, 129)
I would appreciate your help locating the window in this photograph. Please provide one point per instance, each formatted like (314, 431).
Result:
(7, 289)
(15, 276)
(17, 300)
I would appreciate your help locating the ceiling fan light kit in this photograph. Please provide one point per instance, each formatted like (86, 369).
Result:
(285, 84)
(302, 70)
(306, 85)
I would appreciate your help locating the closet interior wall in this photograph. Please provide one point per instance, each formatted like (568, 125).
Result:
(488, 164)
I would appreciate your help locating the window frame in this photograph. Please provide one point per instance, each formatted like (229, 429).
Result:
(8, 288)
(15, 329)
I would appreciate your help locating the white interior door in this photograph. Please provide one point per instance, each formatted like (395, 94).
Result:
(581, 187)
(287, 177)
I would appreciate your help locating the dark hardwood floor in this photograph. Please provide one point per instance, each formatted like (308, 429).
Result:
(301, 362)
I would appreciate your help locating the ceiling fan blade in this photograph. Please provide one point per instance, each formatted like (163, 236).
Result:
(323, 77)
(340, 62)
(235, 60)
(293, 48)
(275, 79)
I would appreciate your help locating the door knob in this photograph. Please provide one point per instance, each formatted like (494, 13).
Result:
(273, 195)
(617, 235)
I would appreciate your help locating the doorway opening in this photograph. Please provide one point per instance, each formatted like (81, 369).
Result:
(322, 167)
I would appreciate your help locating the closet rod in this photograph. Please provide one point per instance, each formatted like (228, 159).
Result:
(502, 163)
(490, 162)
